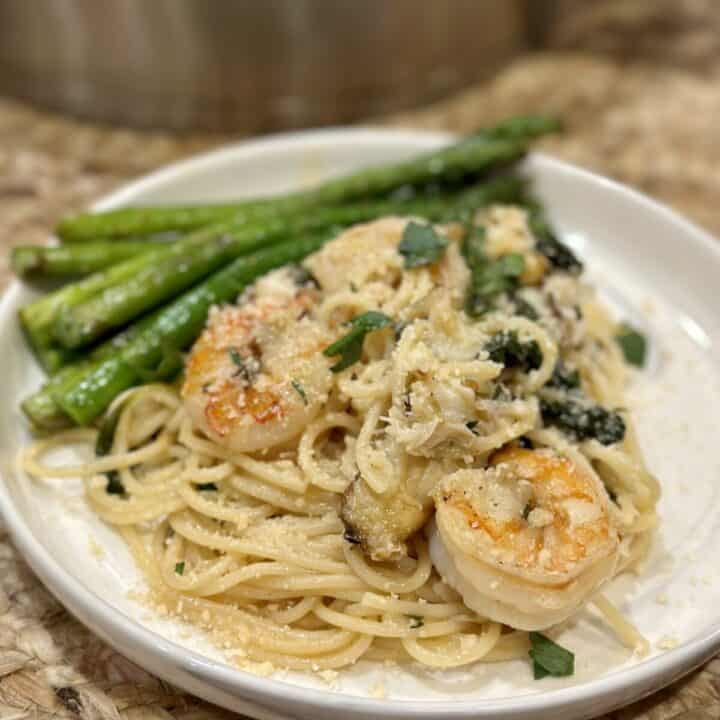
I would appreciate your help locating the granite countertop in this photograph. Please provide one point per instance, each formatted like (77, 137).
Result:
(642, 123)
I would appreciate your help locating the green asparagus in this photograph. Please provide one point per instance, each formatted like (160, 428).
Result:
(175, 328)
(41, 407)
(37, 318)
(472, 155)
(80, 259)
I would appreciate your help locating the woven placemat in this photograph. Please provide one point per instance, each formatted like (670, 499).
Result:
(619, 122)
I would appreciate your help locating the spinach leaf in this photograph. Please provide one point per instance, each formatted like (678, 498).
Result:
(506, 348)
(583, 422)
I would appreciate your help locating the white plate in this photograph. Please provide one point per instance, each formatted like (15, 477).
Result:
(652, 265)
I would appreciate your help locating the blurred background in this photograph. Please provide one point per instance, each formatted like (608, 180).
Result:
(250, 66)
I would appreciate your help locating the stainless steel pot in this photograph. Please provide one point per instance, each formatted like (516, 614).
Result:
(249, 64)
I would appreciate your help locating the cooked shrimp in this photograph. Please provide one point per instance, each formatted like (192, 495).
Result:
(526, 540)
(362, 254)
(367, 254)
(257, 375)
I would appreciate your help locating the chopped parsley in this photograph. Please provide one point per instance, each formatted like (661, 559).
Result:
(180, 567)
(416, 621)
(349, 347)
(300, 390)
(549, 658)
(471, 425)
(247, 367)
(633, 345)
(526, 511)
(421, 245)
(506, 348)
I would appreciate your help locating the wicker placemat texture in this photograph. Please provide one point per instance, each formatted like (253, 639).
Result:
(642, 124)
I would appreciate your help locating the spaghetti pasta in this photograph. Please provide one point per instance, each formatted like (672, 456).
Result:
(311, 551)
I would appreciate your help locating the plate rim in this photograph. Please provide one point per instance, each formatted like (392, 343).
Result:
(131, 638)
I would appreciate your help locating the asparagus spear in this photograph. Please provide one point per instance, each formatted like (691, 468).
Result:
(475, 154)
(38, 317)
(173, 329)
(79, 259)
(81, 324)
(521, 127)
(41, 407)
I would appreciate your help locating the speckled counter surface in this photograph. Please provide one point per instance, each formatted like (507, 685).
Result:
(641, 123)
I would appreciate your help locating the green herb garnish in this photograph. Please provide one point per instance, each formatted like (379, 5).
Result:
(349, 347)
(633, 345)
(247, 367)
(471, 425)
(421, 245)
(416, 621)
(300, 390)
(180, 567)
(549, 658)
